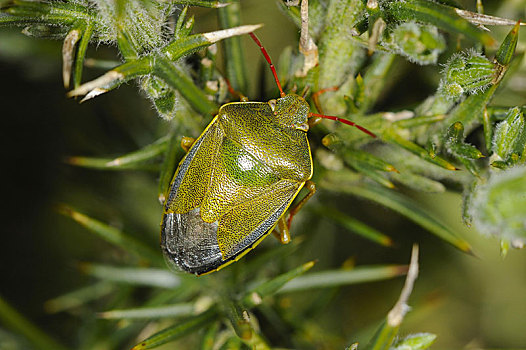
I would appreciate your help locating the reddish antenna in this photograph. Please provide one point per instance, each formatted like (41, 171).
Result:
(282, 94)
(267, 57)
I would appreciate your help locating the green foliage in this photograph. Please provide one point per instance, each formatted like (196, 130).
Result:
(498, 206)
(419, 341)
(453, 140)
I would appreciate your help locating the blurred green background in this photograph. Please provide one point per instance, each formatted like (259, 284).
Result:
(469, 302)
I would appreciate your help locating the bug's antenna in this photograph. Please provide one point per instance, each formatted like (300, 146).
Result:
(267, 57)
(344, 121)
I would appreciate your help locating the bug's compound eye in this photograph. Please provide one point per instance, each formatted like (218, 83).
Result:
(272, 104)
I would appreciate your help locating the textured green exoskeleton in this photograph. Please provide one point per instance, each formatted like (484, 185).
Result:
(235, 183)
(238, 179)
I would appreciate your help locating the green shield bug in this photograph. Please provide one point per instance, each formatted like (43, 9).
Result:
(237, 181)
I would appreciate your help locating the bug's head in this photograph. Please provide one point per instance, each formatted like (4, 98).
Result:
(291, 111)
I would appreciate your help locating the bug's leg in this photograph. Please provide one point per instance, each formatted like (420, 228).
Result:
(235, 93)
(284, 234)
(316, 97)
(187, 142)
(294, 210)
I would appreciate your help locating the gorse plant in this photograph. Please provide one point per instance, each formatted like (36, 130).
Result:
(349, 53)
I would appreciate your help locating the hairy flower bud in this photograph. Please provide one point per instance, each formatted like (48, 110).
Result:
(508, 134)
(420, 44)
(466, 73)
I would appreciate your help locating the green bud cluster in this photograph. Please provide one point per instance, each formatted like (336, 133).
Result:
(466, 73)
(508, 139)
(420, 44)
(144, 21)
(161, 94)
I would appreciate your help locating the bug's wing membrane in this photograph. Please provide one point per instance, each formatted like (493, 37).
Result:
(238, 232)
(189, 243)
(198, 247)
